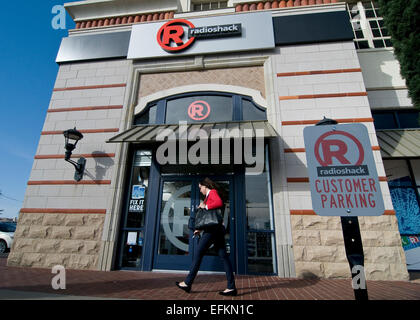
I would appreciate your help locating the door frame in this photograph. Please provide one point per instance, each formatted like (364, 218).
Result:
(172, 262)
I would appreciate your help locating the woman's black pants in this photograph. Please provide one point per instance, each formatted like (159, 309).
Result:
(208, 238)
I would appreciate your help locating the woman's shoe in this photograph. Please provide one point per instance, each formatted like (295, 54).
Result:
(233, 292)
(185, 288)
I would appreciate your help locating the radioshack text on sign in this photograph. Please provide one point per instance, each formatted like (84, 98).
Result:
(342, 171)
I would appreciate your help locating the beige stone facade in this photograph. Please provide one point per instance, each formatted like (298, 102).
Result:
(318, 247)
(46, 240)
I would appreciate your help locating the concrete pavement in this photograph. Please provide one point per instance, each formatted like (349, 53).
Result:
(32, 283)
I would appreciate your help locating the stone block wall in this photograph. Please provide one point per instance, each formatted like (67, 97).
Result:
(319, 248)
(46, 240)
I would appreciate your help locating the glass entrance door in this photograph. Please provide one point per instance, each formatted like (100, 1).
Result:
(179, 196)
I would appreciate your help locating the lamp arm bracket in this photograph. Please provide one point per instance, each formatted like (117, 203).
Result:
(75, 164)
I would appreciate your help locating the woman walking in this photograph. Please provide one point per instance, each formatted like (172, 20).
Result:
(214, 235)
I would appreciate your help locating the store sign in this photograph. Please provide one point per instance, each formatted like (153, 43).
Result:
(227, 33)
(171, 36)
(342, 171)
(137, 199)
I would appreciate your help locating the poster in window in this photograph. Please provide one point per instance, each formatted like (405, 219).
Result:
(138, 192)
(132, 238)
(137, 199)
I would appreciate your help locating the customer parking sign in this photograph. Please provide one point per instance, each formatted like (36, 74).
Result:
(342, 171)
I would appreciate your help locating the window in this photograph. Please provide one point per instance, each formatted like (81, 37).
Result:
(7, 227)
(250, 111)
(213, 5)
(201, 107)
(134, 219)
(403, 181)
(148, 116)
(260, 225)
(396, 119)
(368, 25)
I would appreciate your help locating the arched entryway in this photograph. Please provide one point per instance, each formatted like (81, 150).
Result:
(160, 196)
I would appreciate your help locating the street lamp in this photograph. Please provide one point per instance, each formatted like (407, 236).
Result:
(72, 136)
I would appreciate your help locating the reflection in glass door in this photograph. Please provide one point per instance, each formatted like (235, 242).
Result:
(179, 197)
(176, 203)
(175, 212)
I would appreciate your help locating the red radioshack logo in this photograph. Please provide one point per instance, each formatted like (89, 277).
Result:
(170, 35)
(199, 110)
(340, 146)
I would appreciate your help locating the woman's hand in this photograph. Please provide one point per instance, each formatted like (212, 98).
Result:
(196, 232)
(202, 205)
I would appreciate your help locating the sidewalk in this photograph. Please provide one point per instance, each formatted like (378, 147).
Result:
(30, 283)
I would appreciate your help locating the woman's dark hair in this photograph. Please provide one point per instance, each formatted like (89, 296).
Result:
(209, 184)
(213, 185)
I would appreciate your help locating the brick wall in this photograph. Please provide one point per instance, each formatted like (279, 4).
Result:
(248, 77)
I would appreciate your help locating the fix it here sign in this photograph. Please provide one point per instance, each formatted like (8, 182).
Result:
(342, 171)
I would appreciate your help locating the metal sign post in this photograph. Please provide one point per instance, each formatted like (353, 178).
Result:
(355, 257)
(344, 182)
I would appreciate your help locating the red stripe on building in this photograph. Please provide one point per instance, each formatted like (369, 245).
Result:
(297, 180)
(305, 179)
(118, 85)
(294, 150)
(307, 73)
(44, 133)
(66, 182)
(64, 211)
(325, 95)
(298, 150)
(312, 212)
(305, 122)
(85, 108)
(61, 156)
(302, 212)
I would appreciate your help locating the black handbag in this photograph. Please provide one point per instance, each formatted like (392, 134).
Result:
(205, 219)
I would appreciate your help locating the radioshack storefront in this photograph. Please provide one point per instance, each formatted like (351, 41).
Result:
(166, 99)
(207, 134)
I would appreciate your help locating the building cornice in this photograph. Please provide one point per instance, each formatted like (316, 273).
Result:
(100, 9)
(113, 16)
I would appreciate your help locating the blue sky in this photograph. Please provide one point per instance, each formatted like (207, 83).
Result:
(28, 49)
